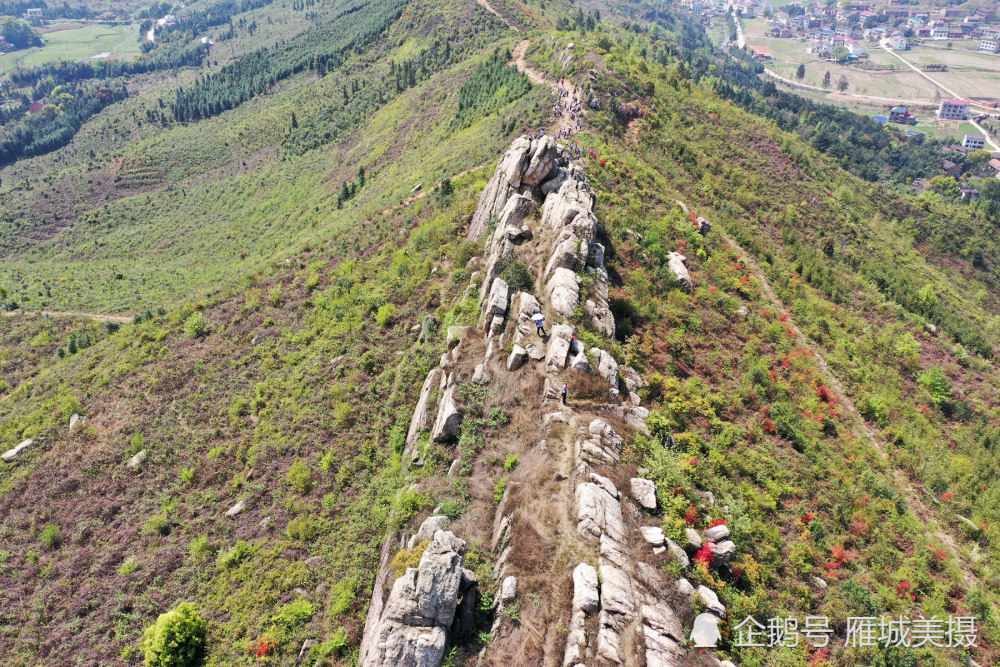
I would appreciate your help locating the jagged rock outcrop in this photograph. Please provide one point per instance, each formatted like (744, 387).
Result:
(449, 417)
(428, 529)
(506, 180)
(421, 420)
(418, 616)
(601, 445)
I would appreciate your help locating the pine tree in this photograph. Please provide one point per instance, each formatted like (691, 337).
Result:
(826, 79)
(295, 122)
(800, 72)
(361, 177)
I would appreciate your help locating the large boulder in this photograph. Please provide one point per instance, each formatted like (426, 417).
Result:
(653, 535)
(518, 355)
(511, 224)
(562, 292)
(677, 263)
(496, 304)
(722, 553)
(711, 601)
(717, 533)
(77, 423)
(570, 253)
(644, 492)
(416, 620)
(560, 339)
(449, 417)
(705, 633)
(428, 529)
(607, 368)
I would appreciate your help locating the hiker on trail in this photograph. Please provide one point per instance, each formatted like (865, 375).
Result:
(539, 324)
(565, 393)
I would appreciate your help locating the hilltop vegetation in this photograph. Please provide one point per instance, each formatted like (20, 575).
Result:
(830, 378)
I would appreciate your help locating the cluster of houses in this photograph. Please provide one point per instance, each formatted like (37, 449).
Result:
(828, 27)
(953, 109)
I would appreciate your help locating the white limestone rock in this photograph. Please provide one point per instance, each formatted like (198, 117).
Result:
(585, 596)
(644, 492)
(14, 452)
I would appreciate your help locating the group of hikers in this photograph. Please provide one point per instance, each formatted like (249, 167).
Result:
(568, 104)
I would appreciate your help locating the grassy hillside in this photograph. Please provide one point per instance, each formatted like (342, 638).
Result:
(830, 378)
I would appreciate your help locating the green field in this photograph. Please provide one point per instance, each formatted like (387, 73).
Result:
(76, 42)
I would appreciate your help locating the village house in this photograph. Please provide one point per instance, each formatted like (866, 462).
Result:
(901, 115)
(954, 110)
(898, 42)
(989, 46)
(950, 168)
(974, 142)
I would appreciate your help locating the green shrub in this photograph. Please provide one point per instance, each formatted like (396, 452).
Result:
(50, 536)
(176, 639)
(291, 616)
(500, 487)
(518, 277)
(936, 383)
(200, 546)
(302, 528)
(511, 462)
(342, 595)
(385, 314)
(275, 295)
(299, 477)
(407, 558)
(157, 525)
(331, 648)
(233, 557)
(196, 325)
(451, 508)
(128, 566)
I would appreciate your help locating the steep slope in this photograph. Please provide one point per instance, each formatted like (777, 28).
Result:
(789, 410)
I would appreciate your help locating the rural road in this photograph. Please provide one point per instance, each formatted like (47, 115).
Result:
(885, 46)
